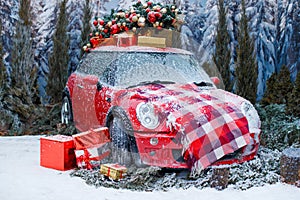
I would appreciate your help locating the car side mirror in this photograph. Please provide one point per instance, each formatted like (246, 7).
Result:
(215, 80)
(99, 86)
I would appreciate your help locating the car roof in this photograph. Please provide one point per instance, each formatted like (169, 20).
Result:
(141, 49)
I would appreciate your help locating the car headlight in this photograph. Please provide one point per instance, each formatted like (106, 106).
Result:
(252, 117)
(146, 115)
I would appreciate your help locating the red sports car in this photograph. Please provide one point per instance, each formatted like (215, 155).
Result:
(161, 108)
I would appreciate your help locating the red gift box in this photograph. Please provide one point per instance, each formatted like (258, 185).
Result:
(57, 152)
(125, 40)
(87, 144)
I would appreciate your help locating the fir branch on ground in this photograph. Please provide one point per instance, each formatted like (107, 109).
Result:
(262, 170)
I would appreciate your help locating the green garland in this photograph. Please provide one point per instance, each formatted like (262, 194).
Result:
(139, 15)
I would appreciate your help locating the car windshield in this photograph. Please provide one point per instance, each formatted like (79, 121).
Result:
(133, 68)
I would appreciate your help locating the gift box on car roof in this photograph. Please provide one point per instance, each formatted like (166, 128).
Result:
(150, 37)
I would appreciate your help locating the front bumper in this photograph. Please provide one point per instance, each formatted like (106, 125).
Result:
(167, 151)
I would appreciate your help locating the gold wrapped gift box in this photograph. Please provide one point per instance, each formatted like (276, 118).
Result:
(152, 42)
(114, 171)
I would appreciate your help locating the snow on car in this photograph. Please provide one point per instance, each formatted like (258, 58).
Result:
(161, 108)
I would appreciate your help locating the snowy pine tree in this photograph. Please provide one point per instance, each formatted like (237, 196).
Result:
(9, 14)
(246, 68)
(279, 87)
(288, 36)
(23, 74)
(294, 50)
(59, 59)
(86, 26)
(74, 32)
(45, 19)
(283, 86)
(269, 96)
(294, 99)
(222, 53)
(264, 31)
(3, 72)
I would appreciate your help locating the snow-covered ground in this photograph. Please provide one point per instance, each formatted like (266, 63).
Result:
(22, 178)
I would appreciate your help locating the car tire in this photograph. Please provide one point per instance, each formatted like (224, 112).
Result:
(125, 129)
(120, 148)
(66, 111)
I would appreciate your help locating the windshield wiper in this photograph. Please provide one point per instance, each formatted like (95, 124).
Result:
(203, 84)
(151, 82)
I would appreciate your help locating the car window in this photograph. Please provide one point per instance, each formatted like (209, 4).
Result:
(94, 63)
(131, 68)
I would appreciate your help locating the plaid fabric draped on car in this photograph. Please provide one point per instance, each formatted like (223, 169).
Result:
(209, 128)
(210, 132)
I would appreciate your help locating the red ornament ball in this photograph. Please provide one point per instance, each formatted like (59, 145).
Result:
(158, 15)
(95, 23)
(101, 22)
(151, 17)
(114, 29)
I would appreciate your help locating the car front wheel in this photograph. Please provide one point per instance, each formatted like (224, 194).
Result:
(120, 149)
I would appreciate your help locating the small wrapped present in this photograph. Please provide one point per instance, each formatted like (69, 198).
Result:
(114, 171)
(164, 33)
(125, 40)
(152, 41)
(87, 144)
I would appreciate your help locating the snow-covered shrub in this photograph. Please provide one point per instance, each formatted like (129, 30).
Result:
(279, 130)
(263, 169)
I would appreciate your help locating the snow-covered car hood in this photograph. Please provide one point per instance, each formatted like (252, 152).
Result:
(210, 122)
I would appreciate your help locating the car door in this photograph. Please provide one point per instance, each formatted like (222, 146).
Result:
(83, 102)
(105, 91)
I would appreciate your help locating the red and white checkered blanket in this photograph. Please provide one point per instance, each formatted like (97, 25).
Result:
(210, 123)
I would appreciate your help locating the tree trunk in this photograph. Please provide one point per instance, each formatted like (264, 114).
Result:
(290, 166)
(220, 177)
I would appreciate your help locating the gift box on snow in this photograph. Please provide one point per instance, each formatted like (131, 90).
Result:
(57, 152)
(87, 144)
(114, 171)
